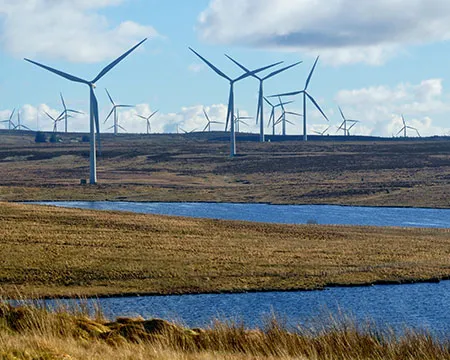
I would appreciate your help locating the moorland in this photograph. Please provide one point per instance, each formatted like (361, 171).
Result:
(196, 167)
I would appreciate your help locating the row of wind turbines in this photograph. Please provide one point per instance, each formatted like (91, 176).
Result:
(232, 120)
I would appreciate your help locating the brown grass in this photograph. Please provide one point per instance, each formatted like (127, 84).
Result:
(29, 332)
(49, 251)
(177, 168)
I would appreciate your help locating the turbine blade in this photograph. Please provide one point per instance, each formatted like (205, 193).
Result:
(153, 113)
(58, 72)
(253, 72)
(204, 129)
(75, 111)
(317, 106)
(125, 106)
(238, 64)
(109, 96)
(109, 115)
(403, 119)
(12, 114)
(51, 117)
(62, 100)
(281, 70)
(287, 94)
(220, 73)
(115, 62)
(310, 73)
(206, 116)
(267, 101)
(342, 114)
(122, 127)
(400, 131)
(293, 113)
(142, 117)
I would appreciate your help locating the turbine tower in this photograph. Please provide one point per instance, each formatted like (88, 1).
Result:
(209, 122)
(405, 127)
(65, 114)
(9, 120)
(147, 119)
(94, 119)
(306, 96)
(115, 106)
(343, 126)
(230, 112)
(260, 108)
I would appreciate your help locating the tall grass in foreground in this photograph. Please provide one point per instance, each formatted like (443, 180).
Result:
(29, 331)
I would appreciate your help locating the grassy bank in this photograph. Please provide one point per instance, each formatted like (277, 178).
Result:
(48, 251)
(28, 332)
(196, 167)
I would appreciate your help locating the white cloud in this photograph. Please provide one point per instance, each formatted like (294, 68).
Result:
(72, 30)
(380, 107)
(343, 31)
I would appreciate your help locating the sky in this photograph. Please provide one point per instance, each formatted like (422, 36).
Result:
(379, 59)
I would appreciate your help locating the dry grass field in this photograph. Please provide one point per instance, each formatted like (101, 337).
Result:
(28, 333)
(196, 167)
(48, 251)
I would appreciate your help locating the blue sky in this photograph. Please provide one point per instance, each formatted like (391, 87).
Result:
(379, 59)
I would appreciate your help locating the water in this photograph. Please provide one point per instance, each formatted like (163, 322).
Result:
(284, 214)
(421, 306)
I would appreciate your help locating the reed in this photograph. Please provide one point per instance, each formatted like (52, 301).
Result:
(29, 331)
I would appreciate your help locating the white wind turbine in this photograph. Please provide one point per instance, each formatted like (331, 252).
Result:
(147, 119)
(405, 127)
(272, 113)
(66, 112)
(9, 120)
(230, 112)
(19, 125)
(260, 108)
(94, 118)
(343, 126)
(306, 96)
(55, 121)
(115, 106)
(238, 119)
(209, 122)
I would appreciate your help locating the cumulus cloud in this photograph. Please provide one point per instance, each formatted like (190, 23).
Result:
(343, 31)
(72, 30)
(380, 107)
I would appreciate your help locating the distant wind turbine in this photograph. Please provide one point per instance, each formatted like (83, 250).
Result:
(272, 113)
(19, 125)
(55, 121)
(66, 112)
(230, 112)
(115, 106)
(344, 124)
(238, 119)
(209, 122)
(260, 108)
(282, 119)
(147, 119)
(306, 96)
(405, 127)
(94, 118)
(321, 132)
(9, 120)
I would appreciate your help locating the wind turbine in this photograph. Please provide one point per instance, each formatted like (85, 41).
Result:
(65, 114)
(9, 120)
(322, 133)
(238, 119)
(282, 119)
(260, 108)
(209, 122)
(116, 124)
(343, 126)
(306, 96)
(19, 126)
(405, 127)
(149, 125)
(272, 113)
(55, 121)
(94, 119)
(230, 112)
